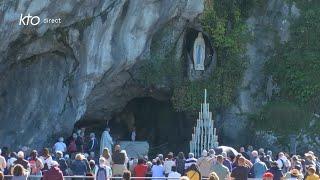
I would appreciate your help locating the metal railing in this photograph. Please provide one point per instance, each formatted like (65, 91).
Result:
(92, 177)
(33, 177)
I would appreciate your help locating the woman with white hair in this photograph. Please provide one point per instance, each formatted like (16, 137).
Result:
(22, 161)
(103, 172)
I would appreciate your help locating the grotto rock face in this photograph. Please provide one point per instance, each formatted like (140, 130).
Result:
(267, 25)
(52, 75)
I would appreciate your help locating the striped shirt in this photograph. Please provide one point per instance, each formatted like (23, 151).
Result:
(189, 162)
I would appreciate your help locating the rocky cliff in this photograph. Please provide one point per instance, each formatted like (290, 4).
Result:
(52, 75)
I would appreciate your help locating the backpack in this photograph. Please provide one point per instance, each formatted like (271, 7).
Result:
(72, 146)
(284, 166)
(101, 174)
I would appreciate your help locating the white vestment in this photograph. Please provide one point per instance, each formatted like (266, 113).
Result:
(106, 142)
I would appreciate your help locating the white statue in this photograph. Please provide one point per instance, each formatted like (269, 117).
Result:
(106, 141)
(199, 53)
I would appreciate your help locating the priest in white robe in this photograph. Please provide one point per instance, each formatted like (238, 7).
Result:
(106, 141)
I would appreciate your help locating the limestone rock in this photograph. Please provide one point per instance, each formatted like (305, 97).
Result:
(52, 75)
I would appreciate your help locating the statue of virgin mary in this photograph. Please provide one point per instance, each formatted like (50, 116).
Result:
(106, 141)
(199, 52)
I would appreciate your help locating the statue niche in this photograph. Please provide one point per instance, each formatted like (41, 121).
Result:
(199, 53)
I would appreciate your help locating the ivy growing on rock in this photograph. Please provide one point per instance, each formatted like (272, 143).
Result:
(295, 68)
(224, 22)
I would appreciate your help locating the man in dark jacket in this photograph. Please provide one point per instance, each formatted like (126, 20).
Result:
(93, 143)
(275, 170)
(62, 162)
(54, 173)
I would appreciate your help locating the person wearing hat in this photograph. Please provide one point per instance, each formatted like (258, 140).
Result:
(312, 174)
(54, 173)
(294, 173)
(275, 170)
(204, 163)
(310, 160)
(267, 176)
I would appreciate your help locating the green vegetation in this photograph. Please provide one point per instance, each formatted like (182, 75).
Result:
(160, 70)
(295, 68)
(224, 23)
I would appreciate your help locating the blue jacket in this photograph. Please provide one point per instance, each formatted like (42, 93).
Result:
(259, 168)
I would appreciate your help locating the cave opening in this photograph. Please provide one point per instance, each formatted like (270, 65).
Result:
(155, 121)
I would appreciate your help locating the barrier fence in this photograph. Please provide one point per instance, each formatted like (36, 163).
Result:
(31, 177)
(8, 177)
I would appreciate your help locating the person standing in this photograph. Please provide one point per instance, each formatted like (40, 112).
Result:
(221, 170)
(80, 141)
(60, 146)
(93, 143)
(133, 134)
(275, 170)
(168, 163)
(312, 174)
(180, 163)
(62, 162)
(244, 154)
(106, 141)
(3, 163)
(226, 161)
(157, 170)
(10, 162)
(46, 159)
(205, 163)
(193, 172)
(174, 174)
(119, 160)
(107, 156)
(259, 167)
(141, 169)
(191, 160)
(242, 169)
(103, 172)
(35, 163)
(54, 173)
(72, 146)
(24, 163)
(19, 173)
(78, 166)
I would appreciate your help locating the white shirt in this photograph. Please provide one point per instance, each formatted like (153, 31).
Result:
(3, 163)
(174, 175)
(60, 146)
(168, 165)
(48, 161)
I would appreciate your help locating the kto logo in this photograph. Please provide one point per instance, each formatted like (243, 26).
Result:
(26, 20)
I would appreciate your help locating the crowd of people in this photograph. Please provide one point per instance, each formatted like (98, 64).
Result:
(80, 156)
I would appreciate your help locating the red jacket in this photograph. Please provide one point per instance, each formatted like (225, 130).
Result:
(53, 174)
